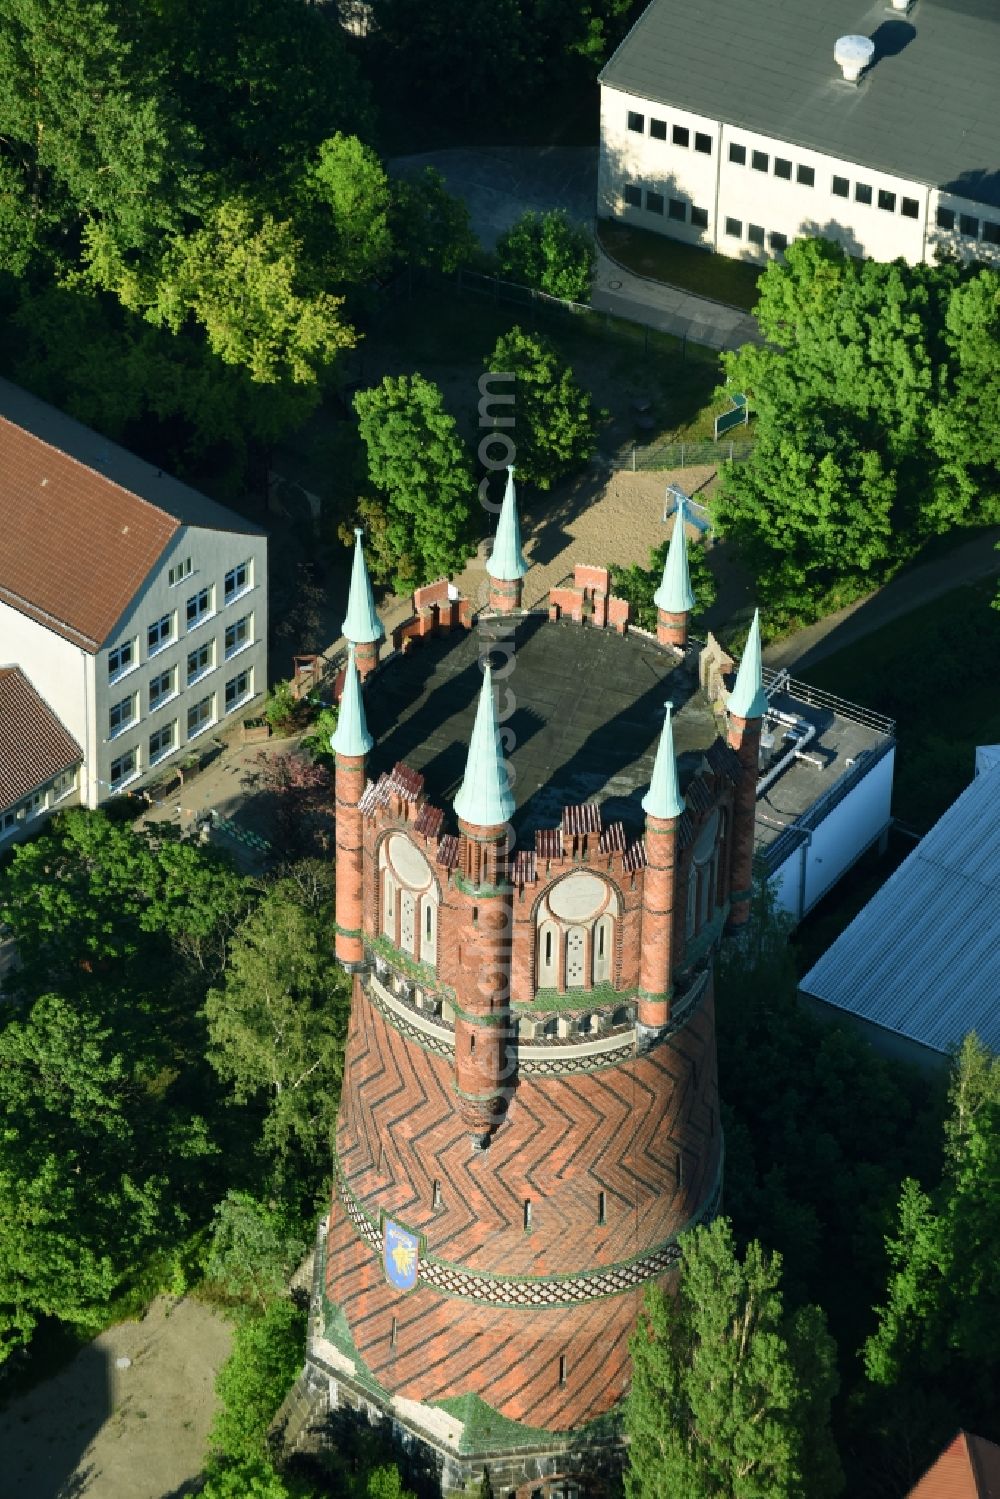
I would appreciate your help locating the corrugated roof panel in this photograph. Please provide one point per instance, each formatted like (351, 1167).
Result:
(923, 957)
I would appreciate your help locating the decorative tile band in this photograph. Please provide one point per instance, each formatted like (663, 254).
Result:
(542, 1290)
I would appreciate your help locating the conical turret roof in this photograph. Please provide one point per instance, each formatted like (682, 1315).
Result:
(351, 736)
(674, 594)
(361, 623)
(663, 799)
(506, 561)
(484, 797)
(748, 699)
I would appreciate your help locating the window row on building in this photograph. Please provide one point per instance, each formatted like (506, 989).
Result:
(757, 236)
(681, 210)
(863, 192)
(198, 608)
(163, 740)
(969, 225)
(38, 802)
(679, 135)
(163, 686)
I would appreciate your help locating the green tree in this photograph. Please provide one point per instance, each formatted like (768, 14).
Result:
(555, 424)
(316, 742)
(252, 1252)
(349, 190)
(551, 252)
(418, 462)
(256, 1478)
(267, 1354)
(83, 1150)
(243, 278)
(430, 226)
(720, 1403)
(277, 1027)
(639, 584)
(939, 1327)
(871, 393)
(87, 136)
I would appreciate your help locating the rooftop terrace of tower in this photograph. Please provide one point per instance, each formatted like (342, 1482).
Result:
(588, 708)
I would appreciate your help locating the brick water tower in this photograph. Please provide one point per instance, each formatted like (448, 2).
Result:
(544, 825)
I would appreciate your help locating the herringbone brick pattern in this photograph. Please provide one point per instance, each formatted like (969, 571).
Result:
(643, 1133)
(445, 1346)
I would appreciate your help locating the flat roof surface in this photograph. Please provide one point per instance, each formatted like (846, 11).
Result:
(927, 108)
(839, 740)
(588, 708)
(82, 521)
(923, 957)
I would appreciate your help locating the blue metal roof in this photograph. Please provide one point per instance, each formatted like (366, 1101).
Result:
(923, 957)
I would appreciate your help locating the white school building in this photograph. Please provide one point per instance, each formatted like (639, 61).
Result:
(133, 615)
(742, 126)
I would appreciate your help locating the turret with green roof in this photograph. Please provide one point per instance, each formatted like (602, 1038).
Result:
(663, 800)
(484, 797)
(362, 626)
(674, 599)
(351, 736)
(506, 565)
(748, 699)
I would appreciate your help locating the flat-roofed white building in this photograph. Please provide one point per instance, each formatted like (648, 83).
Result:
(135, 607)
(732, 126)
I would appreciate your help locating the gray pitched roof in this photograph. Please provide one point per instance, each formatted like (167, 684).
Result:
(926, 109)
(923, 957)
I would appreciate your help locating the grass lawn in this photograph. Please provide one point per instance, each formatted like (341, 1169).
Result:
(447, 337)
(676, 264)
(934, 672)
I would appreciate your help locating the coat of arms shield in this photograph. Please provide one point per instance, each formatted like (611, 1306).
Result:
(399, 1256)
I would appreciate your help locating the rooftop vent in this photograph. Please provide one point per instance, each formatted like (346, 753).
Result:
(853, 54)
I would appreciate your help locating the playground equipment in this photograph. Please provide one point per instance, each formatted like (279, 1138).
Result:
(737, 416)
(697, 513)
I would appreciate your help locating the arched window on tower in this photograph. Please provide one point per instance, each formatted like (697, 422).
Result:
(410, 898)
(389, 906)
(548, 956)
(576, 924)
(703, 877)
(603, 938)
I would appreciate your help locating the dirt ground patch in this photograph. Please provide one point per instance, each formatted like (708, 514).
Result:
(109, 1433)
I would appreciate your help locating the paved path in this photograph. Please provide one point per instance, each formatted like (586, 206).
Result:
(966, 564)
(500, 183)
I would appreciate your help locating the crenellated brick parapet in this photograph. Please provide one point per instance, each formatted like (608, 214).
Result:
(590, 599)
(435, 611)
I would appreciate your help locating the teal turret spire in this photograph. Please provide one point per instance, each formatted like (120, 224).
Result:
(747, 699)
(361, 623)
(351, 736)
(506, 561)
(663, 799)
(484, 797)
(674, 595)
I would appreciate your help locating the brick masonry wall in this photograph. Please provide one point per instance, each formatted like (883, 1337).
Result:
(620, 1131)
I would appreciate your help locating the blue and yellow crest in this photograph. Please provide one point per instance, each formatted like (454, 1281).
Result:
(399, 1256)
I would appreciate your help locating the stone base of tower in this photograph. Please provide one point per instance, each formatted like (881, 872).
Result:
(462, 1437)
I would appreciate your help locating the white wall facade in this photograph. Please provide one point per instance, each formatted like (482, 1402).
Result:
(212, 555)
(61, 673)
(81, 689)
(790, 197)
(831, 848)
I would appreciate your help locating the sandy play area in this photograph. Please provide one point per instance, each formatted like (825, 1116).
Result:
(120, 1433)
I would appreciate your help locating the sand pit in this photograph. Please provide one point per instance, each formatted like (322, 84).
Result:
(109, 1432)
(597, 519)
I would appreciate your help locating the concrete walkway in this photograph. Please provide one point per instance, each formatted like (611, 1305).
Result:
(501, 183)
(966, 564)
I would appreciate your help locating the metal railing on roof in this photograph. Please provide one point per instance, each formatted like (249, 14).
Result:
(778, 680)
